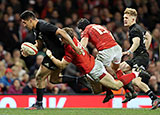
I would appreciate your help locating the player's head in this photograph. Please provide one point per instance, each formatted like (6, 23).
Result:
(27, 19)
(70, 32)
(130, 16)
(82, 23)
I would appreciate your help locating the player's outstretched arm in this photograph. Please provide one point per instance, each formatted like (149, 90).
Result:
(84, 42)
(60, 64)
(69, 40)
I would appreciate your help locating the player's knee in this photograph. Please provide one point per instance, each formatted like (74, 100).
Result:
(136, 82)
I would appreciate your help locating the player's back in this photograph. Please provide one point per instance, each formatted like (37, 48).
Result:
(85, 62)
(99, 36)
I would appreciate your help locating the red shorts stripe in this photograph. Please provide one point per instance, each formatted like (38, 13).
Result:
(102, 76)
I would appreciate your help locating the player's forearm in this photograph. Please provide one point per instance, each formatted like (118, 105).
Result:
(148, 40)
(134, 47)
(68, 39)
(84, 42)
(57, 62)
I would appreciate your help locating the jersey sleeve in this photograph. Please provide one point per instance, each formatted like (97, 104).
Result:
(136, 33)
(48, 28)
(68, 55)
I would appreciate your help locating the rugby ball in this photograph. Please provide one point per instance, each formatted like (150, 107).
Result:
(29, 48)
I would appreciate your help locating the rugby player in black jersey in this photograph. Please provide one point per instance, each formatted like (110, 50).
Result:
(46, 36)
(140, 41)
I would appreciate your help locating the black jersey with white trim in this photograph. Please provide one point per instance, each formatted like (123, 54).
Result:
(137, 31)
(47, 33)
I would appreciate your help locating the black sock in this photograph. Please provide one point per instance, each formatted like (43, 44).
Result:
(68, 78)
(39, 96)
(129, 87)
(151, 95)
(108, 91)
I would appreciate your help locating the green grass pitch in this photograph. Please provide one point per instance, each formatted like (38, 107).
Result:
(80, 111)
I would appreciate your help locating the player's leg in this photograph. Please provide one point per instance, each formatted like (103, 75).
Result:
(41, 75)
(144, 87)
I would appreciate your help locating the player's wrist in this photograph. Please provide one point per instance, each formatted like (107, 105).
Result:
(51, 57)
(130, 52)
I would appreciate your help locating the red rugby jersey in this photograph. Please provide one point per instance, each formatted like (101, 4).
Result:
(99, 36)
(85, 62)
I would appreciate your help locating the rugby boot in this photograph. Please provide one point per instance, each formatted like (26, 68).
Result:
(129, 96)
(35, 107)
(155, 104)
(108, 97)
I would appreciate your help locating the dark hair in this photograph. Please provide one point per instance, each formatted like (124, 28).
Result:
(69, 31)
(82, 23)
(27, 15)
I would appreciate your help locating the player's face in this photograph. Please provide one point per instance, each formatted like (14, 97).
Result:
(128, 20)
(28, 24)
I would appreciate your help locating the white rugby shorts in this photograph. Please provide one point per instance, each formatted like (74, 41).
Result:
(113, 54)
(98, 71)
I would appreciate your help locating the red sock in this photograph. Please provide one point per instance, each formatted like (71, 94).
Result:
(119, 73)
(126, 90)
(125, 79)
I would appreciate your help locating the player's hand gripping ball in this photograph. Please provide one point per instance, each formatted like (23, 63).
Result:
(28, 49)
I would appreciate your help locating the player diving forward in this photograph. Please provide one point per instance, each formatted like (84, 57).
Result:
(88, 65)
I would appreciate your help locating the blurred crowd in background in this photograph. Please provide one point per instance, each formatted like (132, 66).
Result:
(17, 73)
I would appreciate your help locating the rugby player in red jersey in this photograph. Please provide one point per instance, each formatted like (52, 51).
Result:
(88, 65)
(109, 52)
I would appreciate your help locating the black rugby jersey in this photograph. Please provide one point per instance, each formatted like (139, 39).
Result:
(137, 31)
(47, 33)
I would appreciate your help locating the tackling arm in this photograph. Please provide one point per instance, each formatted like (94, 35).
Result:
(68, 39)
(84, 42)
(60, 64)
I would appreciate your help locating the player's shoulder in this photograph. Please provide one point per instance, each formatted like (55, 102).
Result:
(43, 25)
(137, 28)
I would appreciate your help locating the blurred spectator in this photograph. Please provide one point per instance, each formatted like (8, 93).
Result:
(30, 88)
(2, 51)
(25, 79)
(17, 58)
(48, 9)
(2, 69)
(10, 13)
(21, 71)
(7, 78)
(15, 88)
(154, 85)
(152, 68)
(35, 67)
(15, 72)
(51, 88)
(8, 60)
(38, 7)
